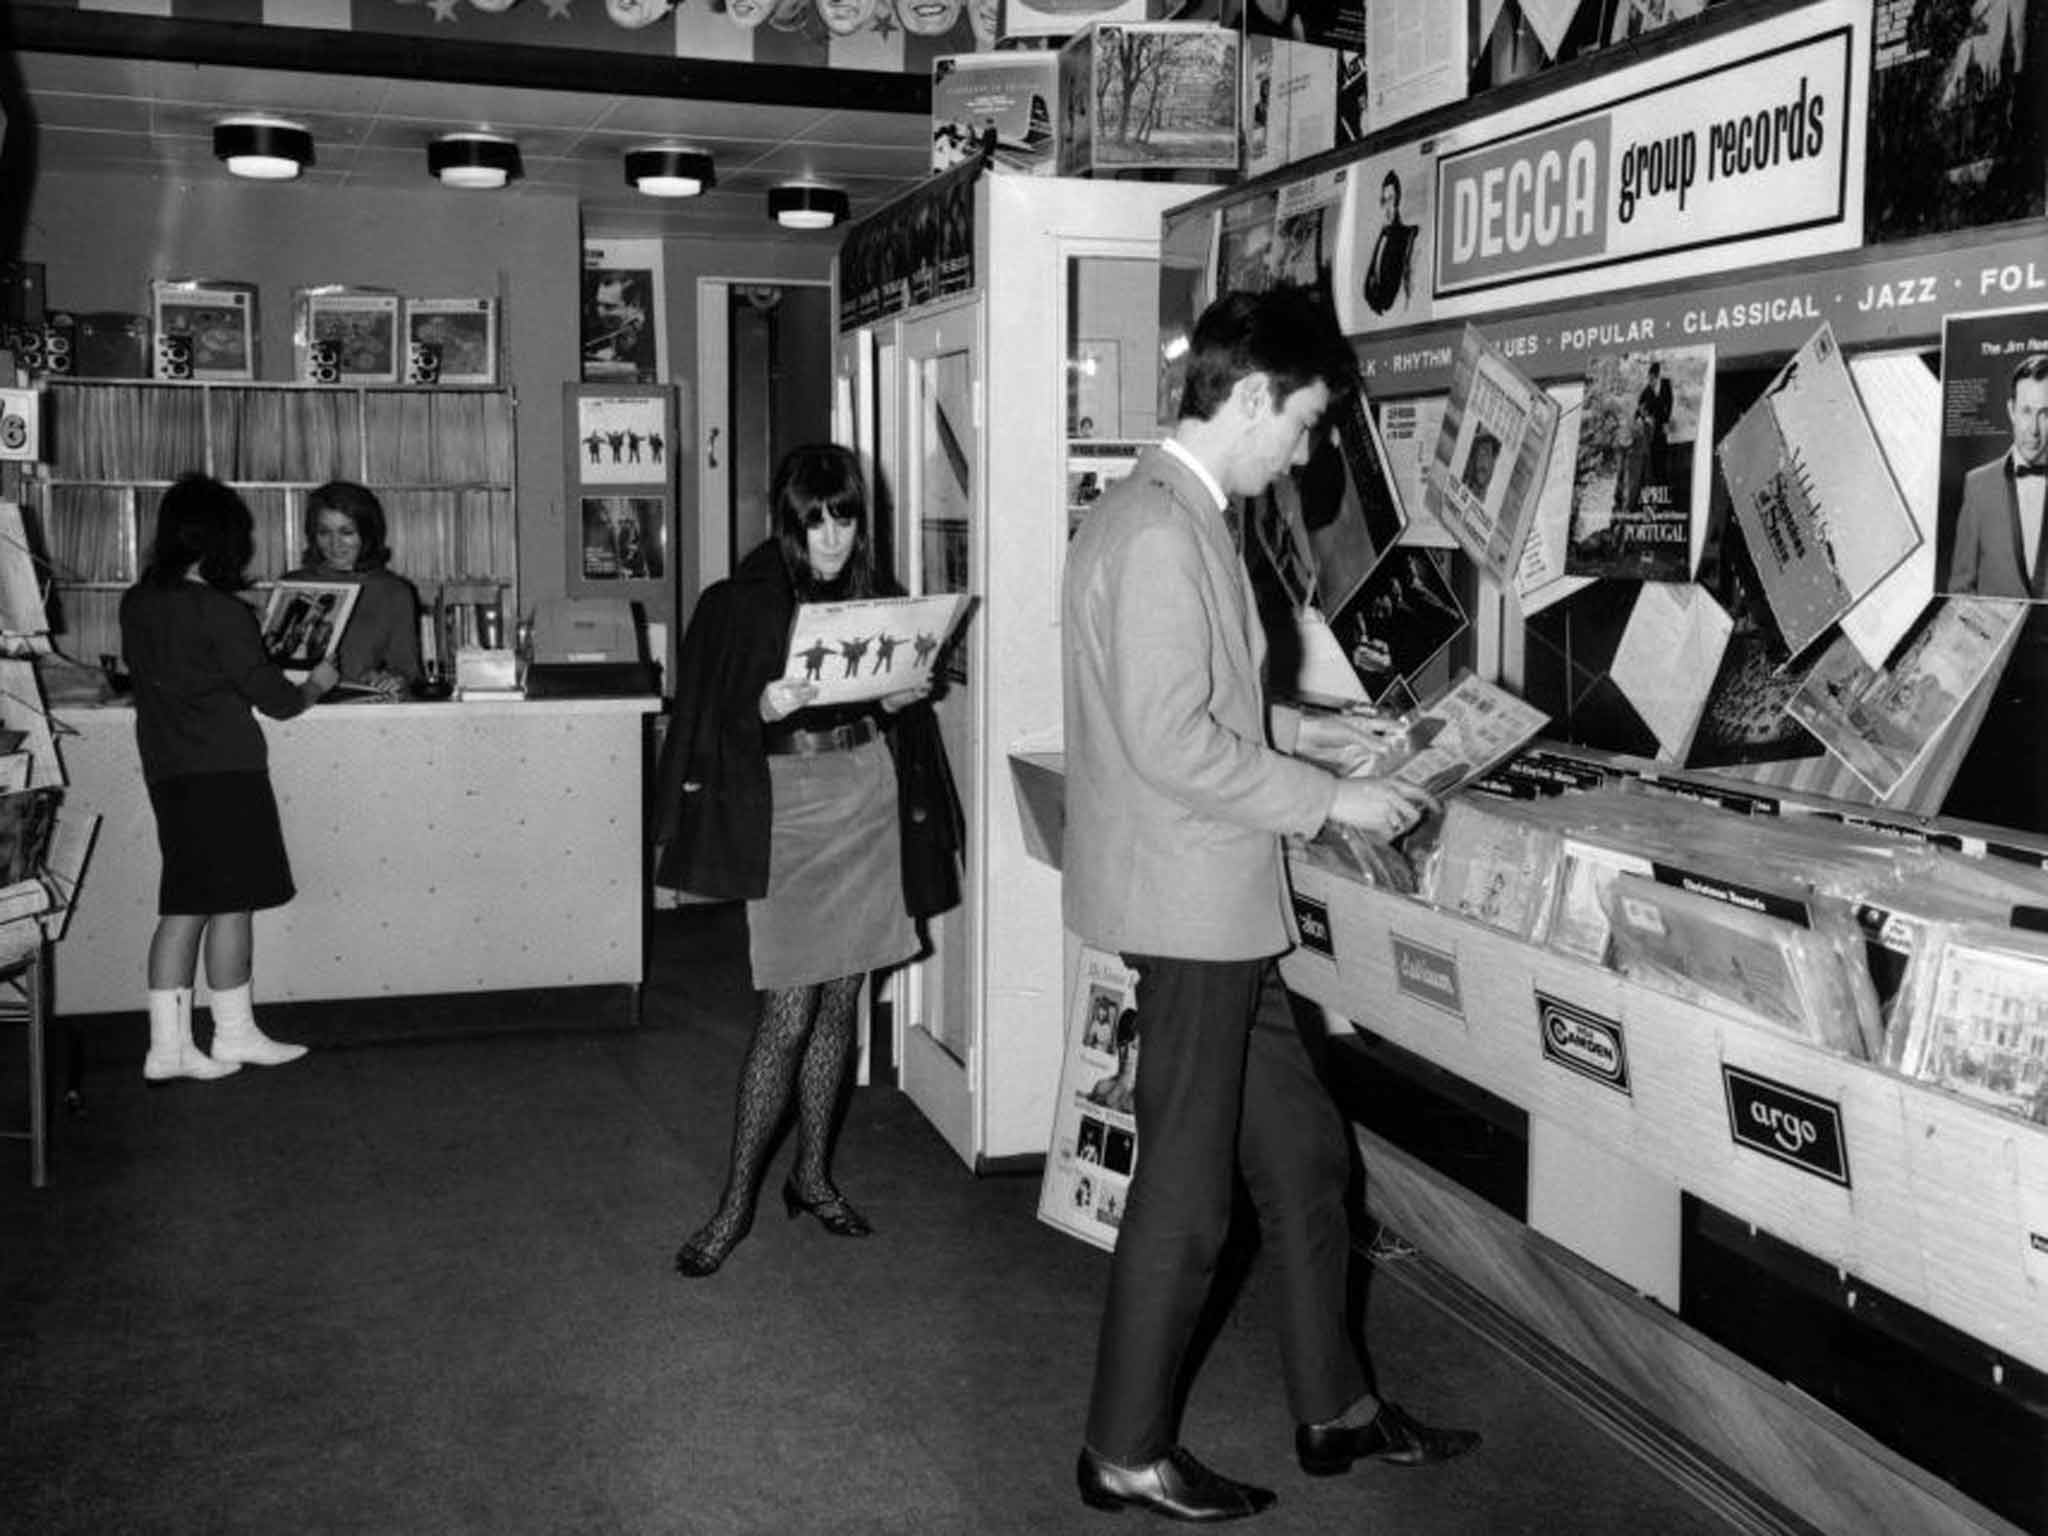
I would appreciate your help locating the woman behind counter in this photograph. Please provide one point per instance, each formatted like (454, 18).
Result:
(795, 808)
(195, 651)
(347, 540)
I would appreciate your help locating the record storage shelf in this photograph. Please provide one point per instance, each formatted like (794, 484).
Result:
(441, 460)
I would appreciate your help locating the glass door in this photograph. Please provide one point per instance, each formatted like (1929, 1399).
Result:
(938, 500)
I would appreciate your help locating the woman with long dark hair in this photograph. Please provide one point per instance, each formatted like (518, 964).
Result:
(348, 540)
(792, 805)
(196, 653)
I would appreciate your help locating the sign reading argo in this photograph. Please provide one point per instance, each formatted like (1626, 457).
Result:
(1785, 1123)
(1755, 145)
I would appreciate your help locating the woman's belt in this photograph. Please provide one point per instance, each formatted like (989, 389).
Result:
(838, 738)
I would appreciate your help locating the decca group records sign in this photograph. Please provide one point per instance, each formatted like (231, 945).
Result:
(1743, 149)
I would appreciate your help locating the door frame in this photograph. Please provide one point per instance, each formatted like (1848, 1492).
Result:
(714, 542)
(947, 1089)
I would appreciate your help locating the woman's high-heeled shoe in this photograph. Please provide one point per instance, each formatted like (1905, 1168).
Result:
(835, 1212)
(702, 1255)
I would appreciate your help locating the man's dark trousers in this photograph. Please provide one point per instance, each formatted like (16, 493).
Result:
(1224, 1083)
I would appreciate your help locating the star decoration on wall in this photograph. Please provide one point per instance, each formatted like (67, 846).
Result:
(444, 10)
(558, 10)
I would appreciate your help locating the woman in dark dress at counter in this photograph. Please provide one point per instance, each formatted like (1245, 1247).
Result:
(348, 540)
(196, 653)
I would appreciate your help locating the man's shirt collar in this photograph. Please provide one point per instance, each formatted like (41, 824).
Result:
(1201, 472)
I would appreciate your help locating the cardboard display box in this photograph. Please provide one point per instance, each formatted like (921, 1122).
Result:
(1157, 96)
(1004, 104)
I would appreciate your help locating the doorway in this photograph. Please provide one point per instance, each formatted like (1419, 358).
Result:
(764, 376)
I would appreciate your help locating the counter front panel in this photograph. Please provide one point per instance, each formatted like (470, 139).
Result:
(436, 848)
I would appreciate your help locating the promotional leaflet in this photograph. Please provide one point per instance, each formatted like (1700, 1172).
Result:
(1094, 1147)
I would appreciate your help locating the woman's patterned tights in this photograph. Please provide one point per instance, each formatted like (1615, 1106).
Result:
(802, 1048)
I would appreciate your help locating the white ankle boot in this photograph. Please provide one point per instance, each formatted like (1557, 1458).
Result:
(171, 1051)
(236, 1037)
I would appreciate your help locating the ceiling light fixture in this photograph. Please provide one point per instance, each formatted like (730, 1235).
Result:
(262, 148)
(670, 172)
(804, 207)
(475, 161)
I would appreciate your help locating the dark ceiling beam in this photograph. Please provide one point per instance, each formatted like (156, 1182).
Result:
(45, 29)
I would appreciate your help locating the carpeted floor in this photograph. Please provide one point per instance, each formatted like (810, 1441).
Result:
(420, 1283)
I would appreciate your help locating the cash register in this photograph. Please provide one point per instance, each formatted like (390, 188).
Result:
(587, 647)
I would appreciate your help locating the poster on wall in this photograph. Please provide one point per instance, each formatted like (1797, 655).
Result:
(624, 339)
(624, 538)
(619, 467)
(1388, 246)
(1415, 53)
(1094, 1147)
(622, 439)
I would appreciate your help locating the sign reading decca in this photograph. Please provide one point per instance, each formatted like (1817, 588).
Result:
(1762, 140)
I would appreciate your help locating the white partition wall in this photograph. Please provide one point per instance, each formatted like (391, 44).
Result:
(981, 1028)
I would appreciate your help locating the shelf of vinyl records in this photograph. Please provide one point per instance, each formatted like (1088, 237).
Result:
(1833, 1033)
(442, 463)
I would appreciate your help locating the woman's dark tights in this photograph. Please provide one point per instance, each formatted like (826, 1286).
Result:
(802, 1047)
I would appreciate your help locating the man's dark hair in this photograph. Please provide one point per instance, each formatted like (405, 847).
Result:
(2035, 367)
(203, 524)
(1289, 334)
(1392, 179)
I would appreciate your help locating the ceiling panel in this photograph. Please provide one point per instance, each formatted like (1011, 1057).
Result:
(124, 115)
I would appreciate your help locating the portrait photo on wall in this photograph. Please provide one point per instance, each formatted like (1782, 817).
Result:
(1386, 261)
(625, 538)
(622, 338)
(622, 440)
(1994, 455)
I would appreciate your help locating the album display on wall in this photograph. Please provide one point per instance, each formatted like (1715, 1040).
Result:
(204, 330)
(618, 450)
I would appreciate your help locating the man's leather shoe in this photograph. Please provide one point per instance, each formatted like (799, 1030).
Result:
(1325, 1450)
(1176, 1486)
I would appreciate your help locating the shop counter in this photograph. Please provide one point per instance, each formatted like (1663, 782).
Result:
(437, 847)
